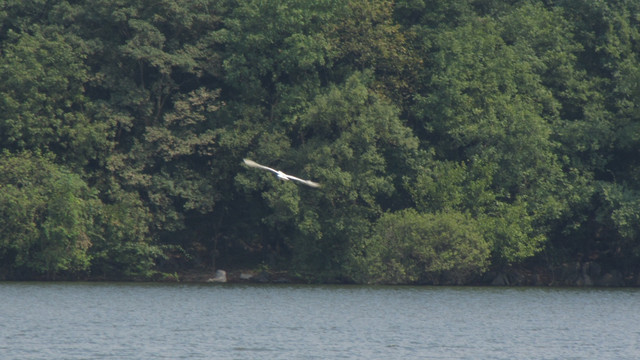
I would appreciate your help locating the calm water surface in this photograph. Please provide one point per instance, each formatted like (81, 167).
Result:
(175, 321)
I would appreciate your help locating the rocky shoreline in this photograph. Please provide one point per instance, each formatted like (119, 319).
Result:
(239, 276)
(578, 274)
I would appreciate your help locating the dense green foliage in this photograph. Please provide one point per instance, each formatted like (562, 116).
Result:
(408, 247)
(450, 137)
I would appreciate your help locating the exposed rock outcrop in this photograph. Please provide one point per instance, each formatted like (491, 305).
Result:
(220, 277)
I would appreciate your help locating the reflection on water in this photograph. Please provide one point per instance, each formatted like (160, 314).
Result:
(177, 321)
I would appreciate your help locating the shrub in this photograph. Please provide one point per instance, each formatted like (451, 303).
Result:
(410, 247)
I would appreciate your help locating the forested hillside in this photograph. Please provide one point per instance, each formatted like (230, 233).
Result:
(451, 138)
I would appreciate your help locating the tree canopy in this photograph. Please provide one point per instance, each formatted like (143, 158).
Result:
(451, 137)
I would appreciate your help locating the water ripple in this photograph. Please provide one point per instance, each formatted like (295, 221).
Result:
(167, 321)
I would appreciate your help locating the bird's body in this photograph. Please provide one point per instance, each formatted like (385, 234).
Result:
(280, 174)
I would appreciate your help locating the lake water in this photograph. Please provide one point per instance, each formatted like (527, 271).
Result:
(202, 321)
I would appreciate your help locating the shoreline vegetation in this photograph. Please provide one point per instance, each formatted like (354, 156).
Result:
(457, 142)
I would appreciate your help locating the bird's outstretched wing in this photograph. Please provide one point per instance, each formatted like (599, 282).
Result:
(280, 174)
(306, 182)
(256, 165)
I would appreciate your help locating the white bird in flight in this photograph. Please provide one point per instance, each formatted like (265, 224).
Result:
(281, 175)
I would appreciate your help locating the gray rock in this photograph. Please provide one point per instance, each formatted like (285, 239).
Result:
(246, 276)
(613, 278)
(509, 278)
(588, 269)
(537, 280)
(221, 277)
(501, 280)
(282, 280)
(594, 269)
(262, 277)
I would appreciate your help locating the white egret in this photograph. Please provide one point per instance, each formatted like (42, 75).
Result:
(280, 174)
